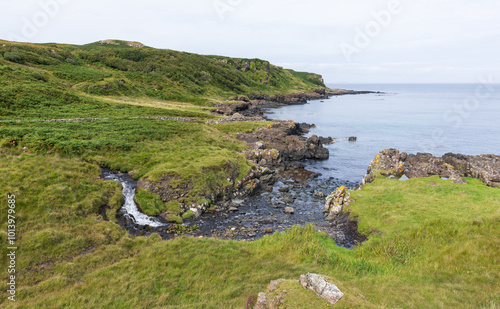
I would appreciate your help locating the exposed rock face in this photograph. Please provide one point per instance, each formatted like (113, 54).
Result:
(453, 166)
(321, 287)
(284, 137)
(335, 202)
(283, 293)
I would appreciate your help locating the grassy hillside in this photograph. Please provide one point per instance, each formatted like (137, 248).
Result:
(56, 76)
(120, 83)
(429, 247)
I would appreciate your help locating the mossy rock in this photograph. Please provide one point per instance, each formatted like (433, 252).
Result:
(188, 215)
(174, 219)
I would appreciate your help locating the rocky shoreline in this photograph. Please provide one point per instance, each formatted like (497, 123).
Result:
(278, 193)
(395, 164)
(255, 105)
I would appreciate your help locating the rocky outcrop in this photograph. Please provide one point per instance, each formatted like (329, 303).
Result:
(335, 203)
(390, 162)
(321, 287)
(283, 293)
(254, 105)
(285, 138)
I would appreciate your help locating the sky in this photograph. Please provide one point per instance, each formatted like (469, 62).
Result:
(346, 41)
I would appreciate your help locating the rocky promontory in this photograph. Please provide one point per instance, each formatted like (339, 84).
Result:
(254, 105)
(391, 162)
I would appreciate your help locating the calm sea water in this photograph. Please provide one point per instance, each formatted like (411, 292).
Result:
(433, 118)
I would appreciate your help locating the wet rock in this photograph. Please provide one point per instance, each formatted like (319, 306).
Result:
(269, 230)
(289, 210)
(353, 139)
(321, 287)
(288, 200)
(284, 189)
(319, 195)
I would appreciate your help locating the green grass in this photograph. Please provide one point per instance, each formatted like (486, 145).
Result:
(58, 74)
(428, 247)
(444, 257)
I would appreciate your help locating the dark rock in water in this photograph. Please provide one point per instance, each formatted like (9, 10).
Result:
(319, 195)
(284, 189)
(288, 199)
(353, 139)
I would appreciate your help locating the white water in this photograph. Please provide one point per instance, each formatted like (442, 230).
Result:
(130, 207)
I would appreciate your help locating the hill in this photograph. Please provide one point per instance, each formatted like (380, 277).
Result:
(36, 76)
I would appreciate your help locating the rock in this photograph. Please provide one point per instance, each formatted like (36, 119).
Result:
(353, 139)
(288, 200)
(289, 210)
(321, 287)
(319, 195)
(285, 138)
(269, 230)
(335, 202)
(233, 209)
(261, 301)
(452, 166)
(284, 189)
(273, 285)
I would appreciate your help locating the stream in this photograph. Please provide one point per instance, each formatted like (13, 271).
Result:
(244, 219)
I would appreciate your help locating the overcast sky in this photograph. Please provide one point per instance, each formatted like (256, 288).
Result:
(347, 41)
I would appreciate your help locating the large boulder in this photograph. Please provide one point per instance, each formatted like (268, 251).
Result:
(321, 287)
(283, 293)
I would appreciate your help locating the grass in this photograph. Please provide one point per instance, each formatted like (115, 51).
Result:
(428, 246)
(71, 257)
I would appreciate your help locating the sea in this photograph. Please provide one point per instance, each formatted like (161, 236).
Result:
(426, 118)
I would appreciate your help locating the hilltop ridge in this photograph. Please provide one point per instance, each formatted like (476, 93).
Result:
(116, 69)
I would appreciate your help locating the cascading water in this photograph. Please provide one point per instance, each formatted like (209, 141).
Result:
(130, 210)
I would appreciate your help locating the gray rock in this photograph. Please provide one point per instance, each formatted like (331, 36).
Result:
(319, 194)
(273, 285)
(261, 301)
(321, 287)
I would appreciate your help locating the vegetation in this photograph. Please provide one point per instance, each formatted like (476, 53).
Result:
(39, 77)
(428, 246)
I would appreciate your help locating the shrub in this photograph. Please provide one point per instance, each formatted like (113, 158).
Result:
(13, 57)
(39, 76)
